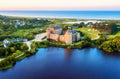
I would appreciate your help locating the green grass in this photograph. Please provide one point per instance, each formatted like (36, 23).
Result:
(112, 36)
(21, 57)
(11, 65)
(24, 32)
(20, 32)
(7, 67)
(93, 34)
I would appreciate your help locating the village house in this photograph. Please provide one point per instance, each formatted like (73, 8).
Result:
(56, 33)
(6, 43)
(19, 23)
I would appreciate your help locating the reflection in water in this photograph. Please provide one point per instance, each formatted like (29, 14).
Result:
(68, 52)
(51, 49)
(61, 63)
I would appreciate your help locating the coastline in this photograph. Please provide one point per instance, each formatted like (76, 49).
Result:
(65, 14)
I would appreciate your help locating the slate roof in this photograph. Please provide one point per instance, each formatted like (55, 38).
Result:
(72, 31)
(57, 27)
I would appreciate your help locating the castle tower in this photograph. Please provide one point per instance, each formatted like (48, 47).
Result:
(48, 33)
(68, 37)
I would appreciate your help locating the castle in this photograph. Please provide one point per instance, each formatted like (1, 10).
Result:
(56, 33)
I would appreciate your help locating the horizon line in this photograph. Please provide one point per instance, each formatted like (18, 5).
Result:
(58, 17)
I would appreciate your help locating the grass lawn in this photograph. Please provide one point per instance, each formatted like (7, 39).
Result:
(112, 36)
(6, 67)
(24, 32)
(21, 32)
(93, 34)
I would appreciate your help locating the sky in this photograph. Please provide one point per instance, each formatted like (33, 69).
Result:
(59, 4)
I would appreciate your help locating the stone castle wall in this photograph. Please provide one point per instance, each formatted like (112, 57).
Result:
(62, 38)
(67, 38)
(54, 37)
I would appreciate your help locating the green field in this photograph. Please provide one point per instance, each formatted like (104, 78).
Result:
(24, 32)
(91, 33)
(117, 34)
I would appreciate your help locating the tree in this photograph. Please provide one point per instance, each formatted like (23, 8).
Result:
(24, 47)
(12, 49)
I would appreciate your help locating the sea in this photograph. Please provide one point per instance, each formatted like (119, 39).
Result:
(65, 14)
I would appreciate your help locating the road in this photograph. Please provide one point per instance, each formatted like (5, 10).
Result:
(2, 59)
(38, 37)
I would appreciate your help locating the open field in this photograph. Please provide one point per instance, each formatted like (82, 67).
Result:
(93, 34)
(117, 34)
(24, 32)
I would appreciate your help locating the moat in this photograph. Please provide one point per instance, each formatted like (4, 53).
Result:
(61, 63)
